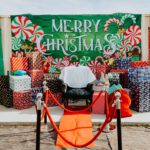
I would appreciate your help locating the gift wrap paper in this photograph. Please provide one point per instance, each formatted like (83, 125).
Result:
(54, 85)
(58, 96)
(122, 63)
(139, 74)
(7, 97)
(34, 60)
(140, 95)
(49, 76)
(20, 83)
(22, 99)
(37, 77)
(125, 63)
(136, 64)
(19, 63)
(4, 81)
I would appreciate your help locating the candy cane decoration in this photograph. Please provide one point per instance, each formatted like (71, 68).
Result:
(110, 21)
(128, 16)
(22, 27)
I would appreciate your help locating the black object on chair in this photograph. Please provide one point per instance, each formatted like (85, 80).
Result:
(77, 84)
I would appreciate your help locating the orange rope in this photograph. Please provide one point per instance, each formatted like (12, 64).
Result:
(79, 111)
(108, 119)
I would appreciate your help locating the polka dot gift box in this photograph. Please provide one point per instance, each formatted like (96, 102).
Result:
(20, 83)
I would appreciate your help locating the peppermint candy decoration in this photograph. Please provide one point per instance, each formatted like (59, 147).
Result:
(110, 21)
(42, 48)
(22, 27)
(126, 46)
(65, 61)
(117, 39)
(57, 62)
(85, 60)
(133, 34)
(76, 63)
(93, 65)
(52, 69)
(128, 16)
(38, 32)
(16, 43)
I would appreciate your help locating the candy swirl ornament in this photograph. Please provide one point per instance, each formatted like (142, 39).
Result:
(22, 27)
(16, 43)
(38, 32)
(133, 34)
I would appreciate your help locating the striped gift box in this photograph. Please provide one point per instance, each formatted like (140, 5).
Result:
(135, 64)
(37, 77)
(22, 99)
(35, 60)
(19, 63)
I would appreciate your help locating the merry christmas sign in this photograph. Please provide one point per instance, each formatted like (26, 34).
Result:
(66, 39)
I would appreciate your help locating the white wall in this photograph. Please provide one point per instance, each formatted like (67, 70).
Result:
(6, 41)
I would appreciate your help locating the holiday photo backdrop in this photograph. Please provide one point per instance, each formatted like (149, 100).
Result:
(65, 40)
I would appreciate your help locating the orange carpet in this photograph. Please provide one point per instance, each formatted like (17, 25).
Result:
(77, 128)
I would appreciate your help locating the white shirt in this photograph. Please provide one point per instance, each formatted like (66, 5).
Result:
(77, 76)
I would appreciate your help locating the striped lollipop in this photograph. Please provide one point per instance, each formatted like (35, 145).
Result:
(93, 65)
(133, 34)
(22, 27)
(36, 49)
(38, 32)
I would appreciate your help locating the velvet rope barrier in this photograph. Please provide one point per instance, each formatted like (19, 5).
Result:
(78, 111)
(107, 120)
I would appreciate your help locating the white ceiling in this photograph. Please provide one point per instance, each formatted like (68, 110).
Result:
(11, 7)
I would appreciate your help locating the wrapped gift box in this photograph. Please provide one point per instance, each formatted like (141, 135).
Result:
(125, 63)
(4, 81)
(122, 63)
(37, 77)
(139, 74)
(34, 92)
(49, 76)
(117, 63)
(0, 96)
(7, 97)
(58, 96)
(35, 60)
(54, 85)
(22, 99)
(19, 63)
(136, 64)
(99, 106)
(140, 95)
(20, 83)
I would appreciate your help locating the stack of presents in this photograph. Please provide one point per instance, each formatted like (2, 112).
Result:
(134, 76)
(19, 91)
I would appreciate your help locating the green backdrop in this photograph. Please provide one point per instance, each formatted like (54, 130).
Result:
(1, 56)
